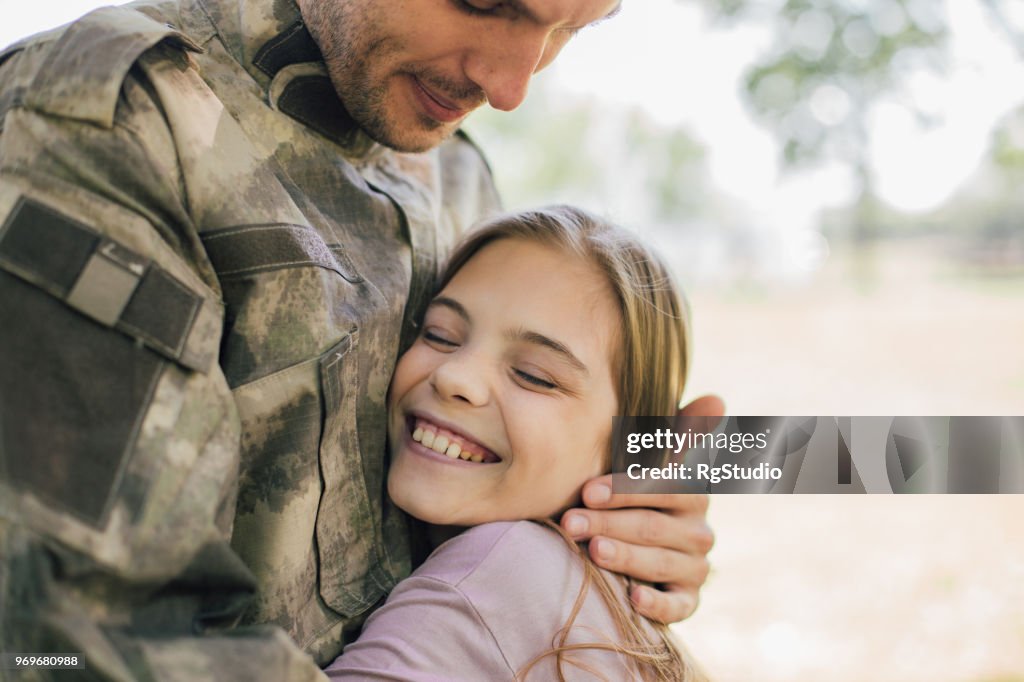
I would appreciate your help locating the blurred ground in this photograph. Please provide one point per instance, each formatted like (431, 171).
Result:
(925, 337)
(856, 588)
(863, 587)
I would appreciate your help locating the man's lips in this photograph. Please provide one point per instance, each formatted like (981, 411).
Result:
(437, 106)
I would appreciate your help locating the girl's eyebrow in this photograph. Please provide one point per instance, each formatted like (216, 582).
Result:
(539, 339)
(526, 335)
(452, 305)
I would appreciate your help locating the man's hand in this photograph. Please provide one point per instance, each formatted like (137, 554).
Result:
(658, 538)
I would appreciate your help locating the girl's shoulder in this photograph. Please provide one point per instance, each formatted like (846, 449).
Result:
(518, 551)
(484, 605)
(522, 580)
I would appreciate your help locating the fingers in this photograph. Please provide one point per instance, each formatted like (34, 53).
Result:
(668, 520)
(653, 564)
(597, 494)
(704, 406)
(689, 533)
(664, 606)
(667, 544)
(701, 415)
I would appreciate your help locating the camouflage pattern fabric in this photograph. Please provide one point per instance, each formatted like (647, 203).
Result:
(207, 272)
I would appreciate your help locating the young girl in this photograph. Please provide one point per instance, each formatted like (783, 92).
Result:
(547, 324)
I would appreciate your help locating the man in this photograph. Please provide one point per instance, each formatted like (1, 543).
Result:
(208, 267)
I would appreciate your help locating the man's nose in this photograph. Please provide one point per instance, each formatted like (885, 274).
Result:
(503, 68)
(461, 378)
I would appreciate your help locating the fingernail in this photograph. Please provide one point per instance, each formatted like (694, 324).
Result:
(606, 549)
(577, 525)
(600, 494)
(642, 597)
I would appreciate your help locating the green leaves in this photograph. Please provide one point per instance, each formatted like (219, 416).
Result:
(831, 60)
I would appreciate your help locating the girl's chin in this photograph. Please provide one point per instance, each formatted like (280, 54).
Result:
(432, 516)
(421, 504)
(451, 514)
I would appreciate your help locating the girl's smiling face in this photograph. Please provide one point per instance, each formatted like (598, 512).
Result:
(502, 407)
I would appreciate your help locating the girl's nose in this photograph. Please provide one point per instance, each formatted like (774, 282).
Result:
(461, 378)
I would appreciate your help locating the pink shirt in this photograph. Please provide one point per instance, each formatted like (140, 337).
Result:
(480, 608)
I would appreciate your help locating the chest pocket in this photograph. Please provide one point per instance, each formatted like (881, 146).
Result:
(305, 514)
(288, 295)
(348, 531)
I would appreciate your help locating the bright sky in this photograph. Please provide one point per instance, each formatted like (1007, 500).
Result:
(664, 56)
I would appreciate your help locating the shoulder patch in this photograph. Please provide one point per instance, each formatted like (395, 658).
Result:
(109, 283)
(82, 75)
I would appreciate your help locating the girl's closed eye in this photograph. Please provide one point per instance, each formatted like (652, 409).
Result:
(440, 338)
(534, 380)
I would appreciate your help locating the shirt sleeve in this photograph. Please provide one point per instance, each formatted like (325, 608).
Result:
(428, 631)
(119, 439)
(483, 607)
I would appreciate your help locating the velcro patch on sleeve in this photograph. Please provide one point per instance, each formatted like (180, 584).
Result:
(104, 281)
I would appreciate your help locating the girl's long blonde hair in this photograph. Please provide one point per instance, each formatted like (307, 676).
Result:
(651, 365)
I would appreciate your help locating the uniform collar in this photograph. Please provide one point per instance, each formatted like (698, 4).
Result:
(269, 39)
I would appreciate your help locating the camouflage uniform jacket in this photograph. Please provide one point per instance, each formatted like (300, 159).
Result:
(206, 275)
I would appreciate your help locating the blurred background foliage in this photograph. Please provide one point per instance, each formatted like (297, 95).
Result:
(830, 62)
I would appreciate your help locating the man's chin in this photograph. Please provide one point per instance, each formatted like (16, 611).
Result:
(415, 138)
(409, 144)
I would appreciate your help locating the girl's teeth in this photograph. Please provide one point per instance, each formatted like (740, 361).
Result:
(444, 445)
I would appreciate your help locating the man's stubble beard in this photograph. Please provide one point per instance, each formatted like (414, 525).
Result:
(351, 45)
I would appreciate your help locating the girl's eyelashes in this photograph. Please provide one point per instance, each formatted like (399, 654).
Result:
(438, 339)
(534, 380)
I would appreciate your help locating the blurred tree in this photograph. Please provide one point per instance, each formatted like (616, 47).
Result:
(816, 89)
(1008, 148)
(831, 61)
(1001, 18)
(987, 211)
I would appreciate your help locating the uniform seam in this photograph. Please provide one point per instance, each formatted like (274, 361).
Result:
(490, 550)
(139, 140)
(233, 230)
(273, 266)
(456, 589)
